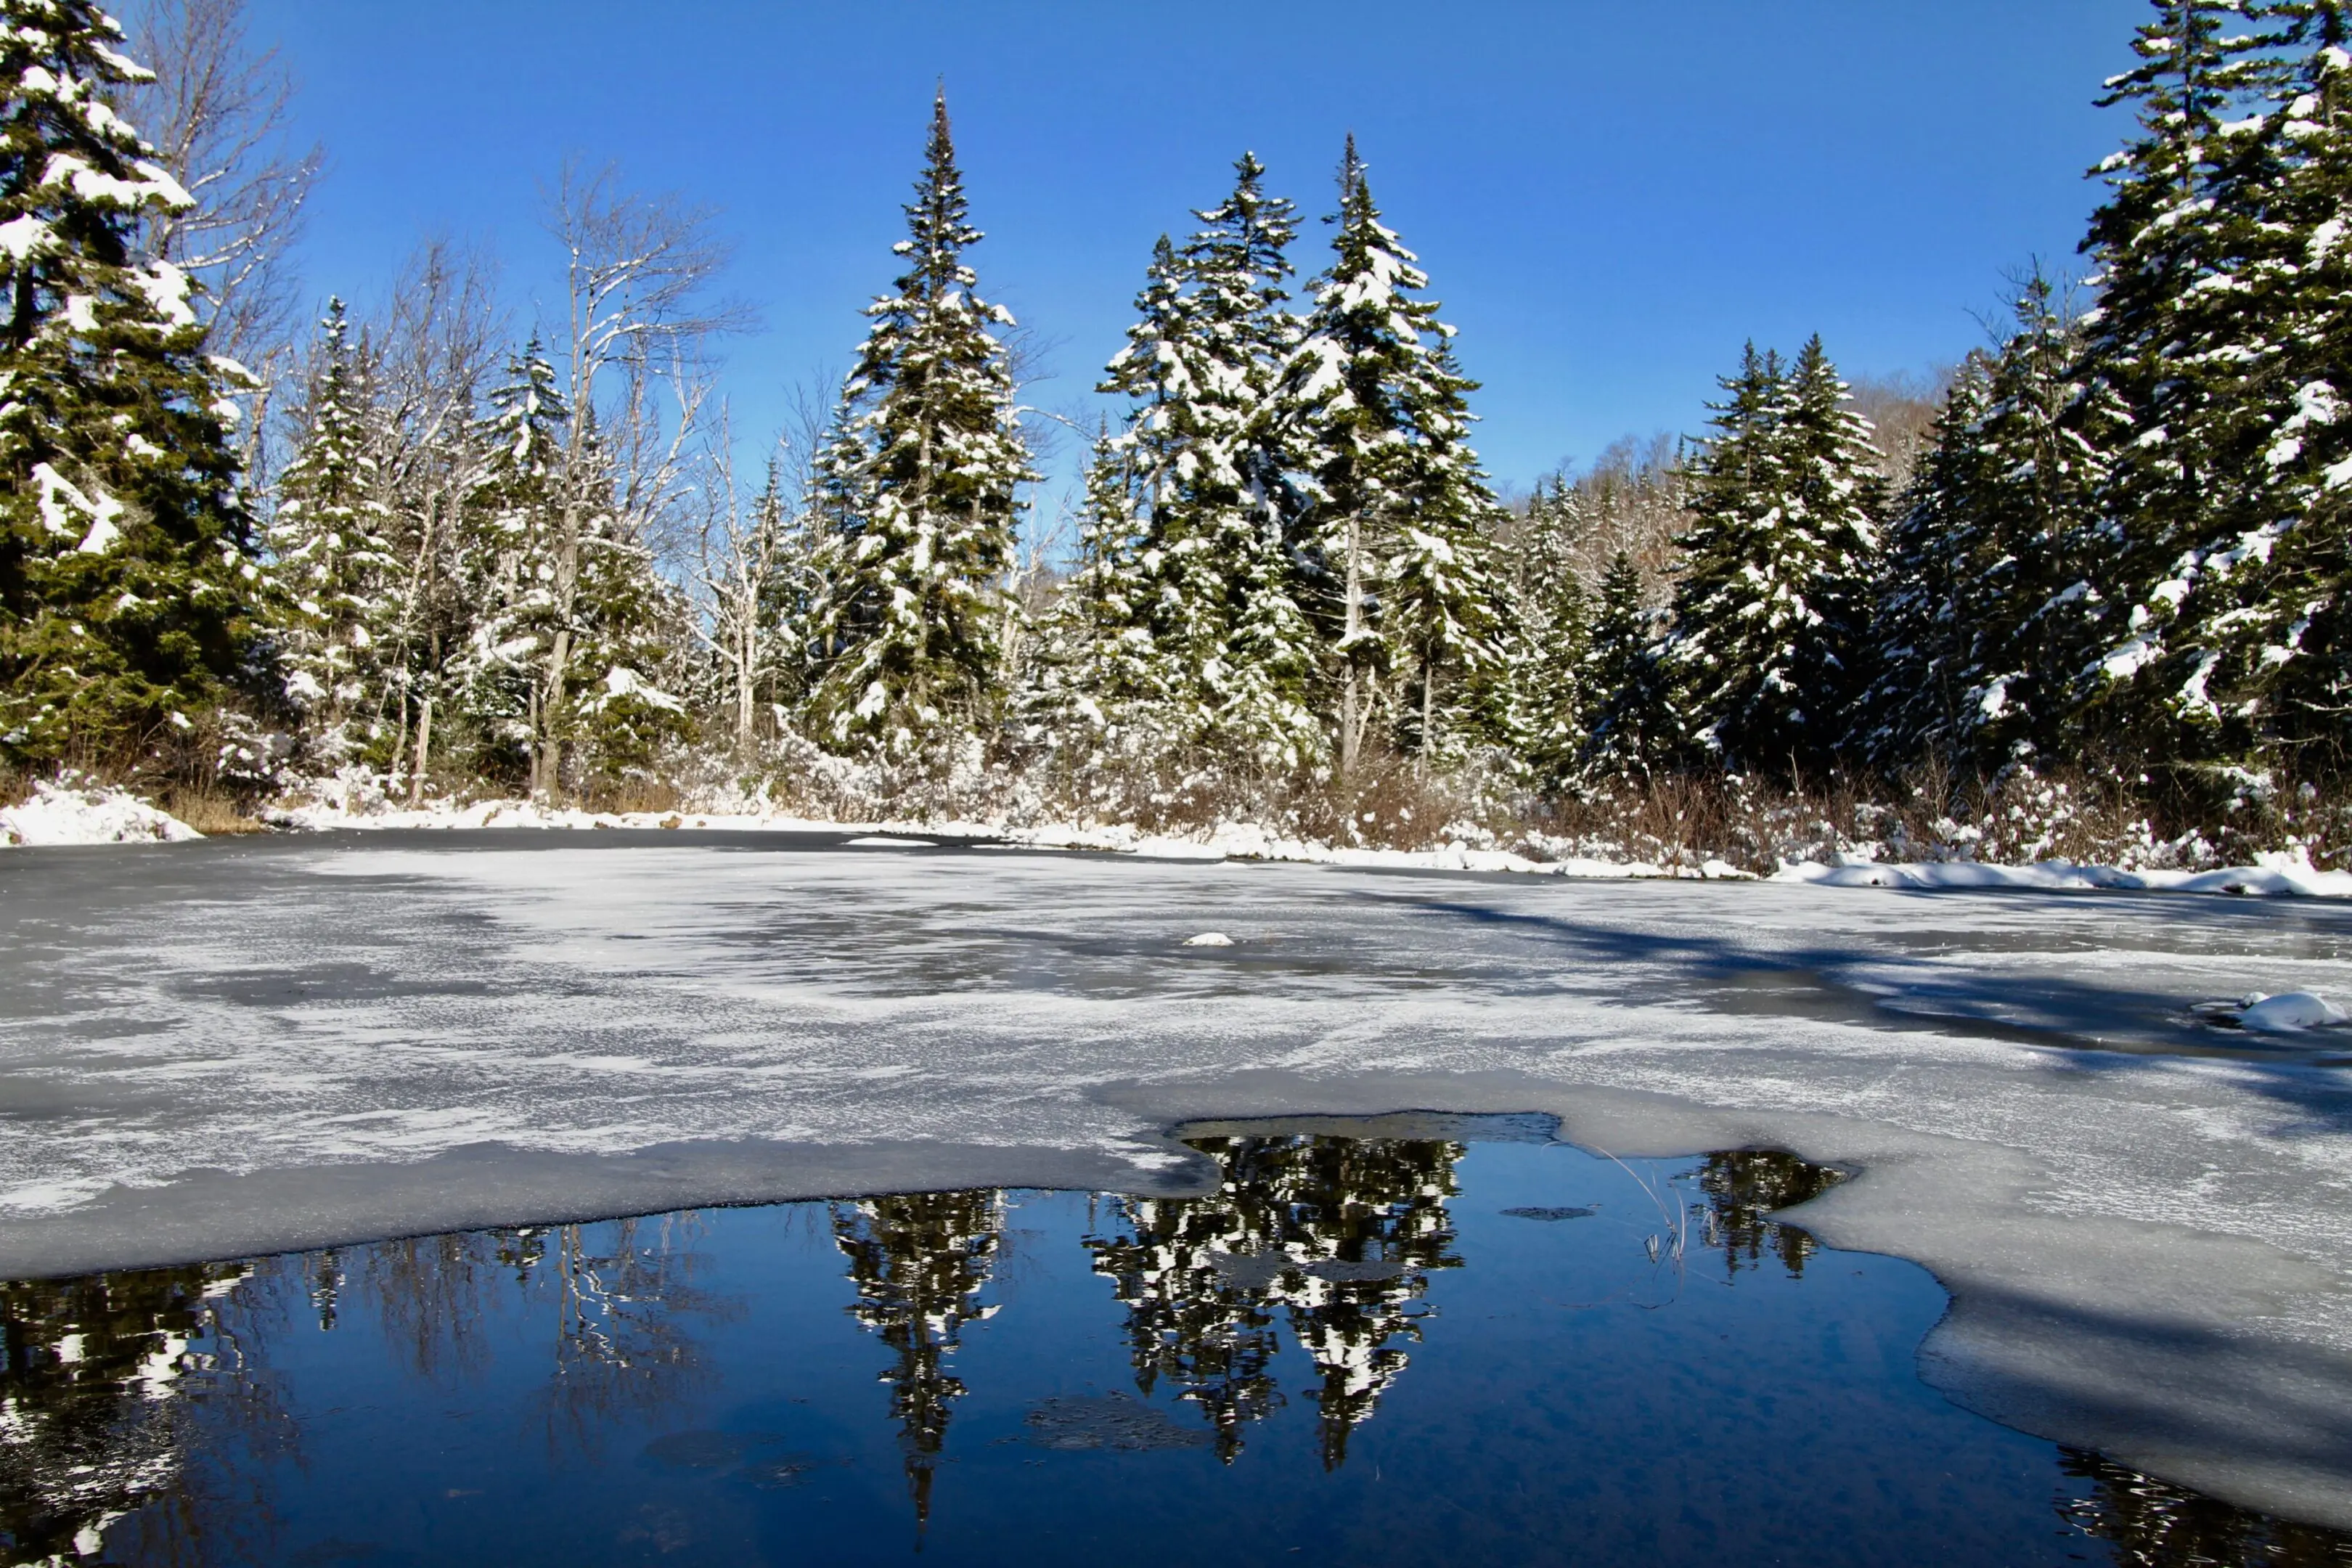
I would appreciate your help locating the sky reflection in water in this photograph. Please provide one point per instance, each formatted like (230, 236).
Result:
(1455, 1341)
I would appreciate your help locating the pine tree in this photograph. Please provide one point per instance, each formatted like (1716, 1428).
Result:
(1739, 609)
(1399, 504)
(1924, 660)
(924, 482)
(1549, 633)
(128, 562)
(331, 569)
(1776, 568)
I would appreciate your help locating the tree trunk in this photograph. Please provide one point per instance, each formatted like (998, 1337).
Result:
(423, 751)
(1351, 724)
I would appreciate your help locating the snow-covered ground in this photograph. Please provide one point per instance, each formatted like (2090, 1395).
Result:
(61, 814)
(2143, 1207)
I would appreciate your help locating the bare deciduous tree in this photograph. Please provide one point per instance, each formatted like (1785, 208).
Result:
(218, 114)
(636, 336)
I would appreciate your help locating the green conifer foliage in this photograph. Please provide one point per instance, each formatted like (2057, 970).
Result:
(1631, 729)
(128, 569)
(2182, 364)
(1396, 531)
(335, 580)
(923, 483)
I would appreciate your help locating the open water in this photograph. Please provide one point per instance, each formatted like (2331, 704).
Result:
(1416, 1340)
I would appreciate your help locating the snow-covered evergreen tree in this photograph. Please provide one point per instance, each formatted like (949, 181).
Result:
(1774, 569)
(1395, 529)
(1631, 727)
(924, 486)
(1548, 634)
(2290, 650)
(1836, 497)
(2181, 365)
(335, 580)
(1097, 683)
(510, 568)
(127, 561)
(1981, 625)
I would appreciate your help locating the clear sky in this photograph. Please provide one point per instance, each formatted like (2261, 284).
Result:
(1609, 197)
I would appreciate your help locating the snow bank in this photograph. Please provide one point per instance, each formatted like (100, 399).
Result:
(62, 815)
(2273, 876)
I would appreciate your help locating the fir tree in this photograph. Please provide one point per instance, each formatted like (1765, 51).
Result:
(1098, 684)
(924, 481)
(128, 566)
(332, 571)
(2279, 639)
(1549, 635)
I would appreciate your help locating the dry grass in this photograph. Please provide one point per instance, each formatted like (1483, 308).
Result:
(212, 812)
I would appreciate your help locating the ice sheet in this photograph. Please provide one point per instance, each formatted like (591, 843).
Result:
(353, 1037)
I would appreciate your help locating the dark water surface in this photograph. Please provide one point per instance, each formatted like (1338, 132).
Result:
(1455, 1341)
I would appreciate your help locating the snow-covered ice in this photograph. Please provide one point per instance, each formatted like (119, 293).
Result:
(211, 1050)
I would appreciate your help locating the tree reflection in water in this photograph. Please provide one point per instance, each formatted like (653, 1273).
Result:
(2152, 1524)
(919, 1264)
(144, 1417)
(1741, 1187)
(1338, 1234)
(103, 1382)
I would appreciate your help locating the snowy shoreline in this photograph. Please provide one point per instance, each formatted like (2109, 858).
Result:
(61, 816)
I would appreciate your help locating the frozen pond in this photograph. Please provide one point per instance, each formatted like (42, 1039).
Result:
(1418, 1340)
(220, 1050)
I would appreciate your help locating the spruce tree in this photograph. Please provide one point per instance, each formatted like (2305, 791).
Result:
(1395, 531)
(127, 561)
(509, 569)
(2179, 366)
(334, 577)
(1740, 610)
(1982, 625)
(1924, 658)
(924, 484)
(1632, 728)
(2280, 637)
(1549, 635)
(1836, 497)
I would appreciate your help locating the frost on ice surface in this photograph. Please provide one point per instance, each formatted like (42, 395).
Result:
(59, 815)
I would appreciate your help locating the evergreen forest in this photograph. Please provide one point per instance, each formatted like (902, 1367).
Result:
(2095, 599)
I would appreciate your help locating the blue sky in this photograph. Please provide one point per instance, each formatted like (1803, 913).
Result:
(1609, 197)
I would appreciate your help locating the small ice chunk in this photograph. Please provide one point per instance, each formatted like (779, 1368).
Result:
(888, 844)
(1209, 939)
(2290, 1010)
